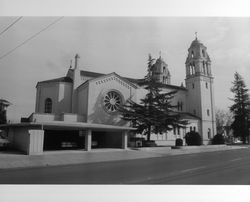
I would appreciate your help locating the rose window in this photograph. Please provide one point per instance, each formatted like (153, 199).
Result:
(112, 101)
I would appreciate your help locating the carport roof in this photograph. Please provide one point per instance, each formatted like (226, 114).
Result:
(69, 125)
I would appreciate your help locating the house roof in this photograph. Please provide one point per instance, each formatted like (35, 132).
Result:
(103, 75)
(91, 74)
(186, 115)
(132, 80)
(61, 79)
(139, 82)
(69, 125)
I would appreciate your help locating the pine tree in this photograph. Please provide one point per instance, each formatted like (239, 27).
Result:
(155, 113)
(240, 108)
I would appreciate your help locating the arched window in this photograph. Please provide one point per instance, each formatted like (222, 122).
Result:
(207, 68)
(209, 133)
(48, 105)
(164, 79)
(164, 70)
(203, 53)
(192, 54)
(204, 68)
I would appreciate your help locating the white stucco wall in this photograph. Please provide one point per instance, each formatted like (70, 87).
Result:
(169, 137)
(83, 100)
(29, 141)
(59, 92)
(200, 98)
(97, 89)
(64, 97)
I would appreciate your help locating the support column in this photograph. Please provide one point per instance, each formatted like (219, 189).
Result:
(88, 140)
(124, 139)
(35, 142)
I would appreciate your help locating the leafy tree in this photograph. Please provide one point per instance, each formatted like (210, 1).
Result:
(240, 108)
(224, 120)
(154, 113)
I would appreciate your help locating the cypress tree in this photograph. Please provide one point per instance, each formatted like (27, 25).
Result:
(240, 108)
(154, 113)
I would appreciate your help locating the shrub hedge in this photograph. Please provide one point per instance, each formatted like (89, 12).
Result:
(218, 139)
(193, 138)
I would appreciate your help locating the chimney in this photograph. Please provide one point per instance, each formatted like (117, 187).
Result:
(76, 61)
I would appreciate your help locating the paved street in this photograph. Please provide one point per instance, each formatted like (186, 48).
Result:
(220, 167)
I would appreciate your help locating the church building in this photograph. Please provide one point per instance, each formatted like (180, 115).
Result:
(80, 110)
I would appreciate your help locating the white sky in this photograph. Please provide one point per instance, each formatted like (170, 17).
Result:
(117, 44)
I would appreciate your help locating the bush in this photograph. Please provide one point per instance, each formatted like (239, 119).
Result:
(218, 139)
(178, 142)
(193, 138)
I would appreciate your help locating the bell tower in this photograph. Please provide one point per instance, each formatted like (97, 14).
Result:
(199, 82)
(160, 72)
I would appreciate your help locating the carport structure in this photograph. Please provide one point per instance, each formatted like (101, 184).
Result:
(33, 137)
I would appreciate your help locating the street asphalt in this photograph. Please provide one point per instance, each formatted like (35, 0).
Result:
(231, 166)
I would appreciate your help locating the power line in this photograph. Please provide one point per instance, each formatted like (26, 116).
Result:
(33, 36)
(10, 25)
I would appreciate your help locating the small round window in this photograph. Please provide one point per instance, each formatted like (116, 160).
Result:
(112, 101)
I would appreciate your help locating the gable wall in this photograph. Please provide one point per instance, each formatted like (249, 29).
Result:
(97, 90)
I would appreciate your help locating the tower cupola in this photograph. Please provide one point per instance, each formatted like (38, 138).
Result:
(160, 71)
(198, 61)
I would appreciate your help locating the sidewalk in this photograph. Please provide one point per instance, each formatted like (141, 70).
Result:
(54, 158)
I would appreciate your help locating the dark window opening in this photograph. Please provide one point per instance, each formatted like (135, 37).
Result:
(48, 106)
(164, 69)
(204, 68)
(203, 53)
(209, 133)
(208, 113)
(178, 129)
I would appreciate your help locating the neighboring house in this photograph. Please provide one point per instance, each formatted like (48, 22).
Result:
(3, 110)
(82, 106)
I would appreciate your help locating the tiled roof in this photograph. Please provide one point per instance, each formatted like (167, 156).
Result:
(61, 79)
(132, 80)
(91, 74)
(186, 115)
(139, 82)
